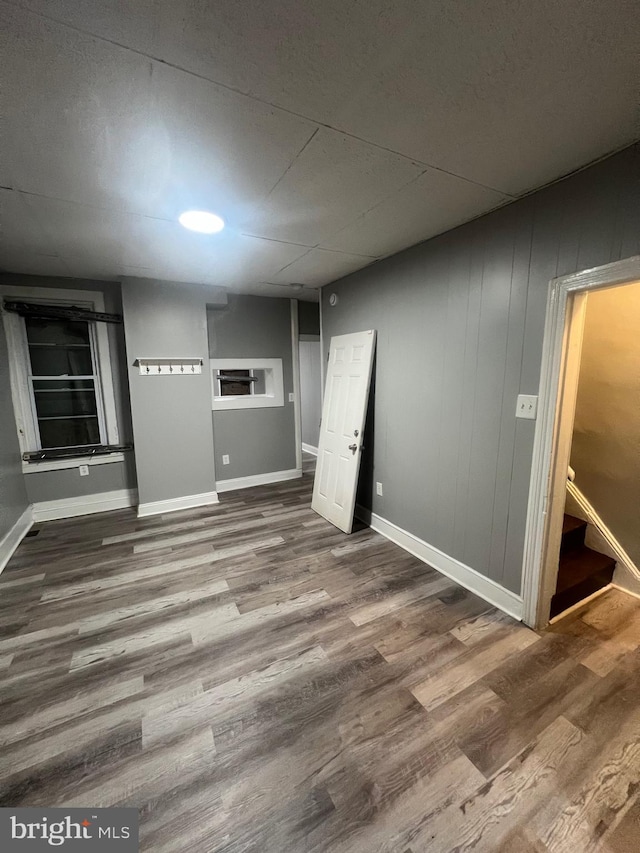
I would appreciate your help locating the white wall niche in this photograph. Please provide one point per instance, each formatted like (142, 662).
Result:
(271, 384)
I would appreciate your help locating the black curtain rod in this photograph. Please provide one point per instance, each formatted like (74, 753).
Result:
(73, 452)
(59, 312)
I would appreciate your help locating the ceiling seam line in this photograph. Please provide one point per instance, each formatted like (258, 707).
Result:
(340, 252)
(286, 266)
(275, 240)
(255, 98)
(292, 163)
(373, 207)
(331, 252)
(86, 204)
(114, 210)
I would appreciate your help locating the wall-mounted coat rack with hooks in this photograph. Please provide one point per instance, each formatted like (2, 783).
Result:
(169, 366)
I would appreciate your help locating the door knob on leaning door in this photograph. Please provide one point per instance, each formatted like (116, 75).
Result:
(353, 448)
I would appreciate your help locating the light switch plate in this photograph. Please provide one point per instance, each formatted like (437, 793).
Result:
(527, 406)
(225, 458)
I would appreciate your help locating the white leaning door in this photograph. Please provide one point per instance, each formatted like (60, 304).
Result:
(343, 414)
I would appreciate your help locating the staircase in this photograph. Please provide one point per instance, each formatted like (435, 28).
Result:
(581, 571)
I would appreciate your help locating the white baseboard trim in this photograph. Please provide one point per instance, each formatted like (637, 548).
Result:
(592, 517)
(309, 448)
(467, 577)
(14, 537)
(84, 505)
(175, 504)
(258, 480)
(582, 603)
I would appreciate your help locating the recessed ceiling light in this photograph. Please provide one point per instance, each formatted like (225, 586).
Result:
(201, 221)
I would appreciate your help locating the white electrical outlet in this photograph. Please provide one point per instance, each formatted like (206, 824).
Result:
(527, 406)
(291, 396)
(84, 470)
(225, 459)
(379, 489)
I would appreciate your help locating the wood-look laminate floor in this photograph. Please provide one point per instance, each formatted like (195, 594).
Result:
(254, 681)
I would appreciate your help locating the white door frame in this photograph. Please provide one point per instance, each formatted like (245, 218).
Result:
(555, 354)
(322, 355)
(295, 365)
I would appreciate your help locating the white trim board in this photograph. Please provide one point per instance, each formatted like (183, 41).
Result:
(14, 537)
(309, 448)
(84, 505)
(467, 577)
(594, 519)
(175, 504)
(579, 604)
(590, 598)
(322, 355)
(258, 480)
(295, 375)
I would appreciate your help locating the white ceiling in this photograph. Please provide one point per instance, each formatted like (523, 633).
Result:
(327, 133)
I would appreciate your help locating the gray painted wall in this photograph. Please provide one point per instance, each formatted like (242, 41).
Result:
(460, 323)
(68, 483)
(310, 391)
(13, 496)
(56, 485)
(258, 441)
(171, 414)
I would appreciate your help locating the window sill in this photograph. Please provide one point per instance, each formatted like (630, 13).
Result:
(248, 401)
(70, 462)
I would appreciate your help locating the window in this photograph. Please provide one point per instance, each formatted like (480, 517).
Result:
(63, 383)
(246, 383)
(241, 383)
(60, 375)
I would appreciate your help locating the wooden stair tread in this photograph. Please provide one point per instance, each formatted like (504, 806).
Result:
(571, 523)
(581, 571)
(573, 533)
(579, 564)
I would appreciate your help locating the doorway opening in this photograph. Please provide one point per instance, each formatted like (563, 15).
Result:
(570, 553)
(310, 355)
